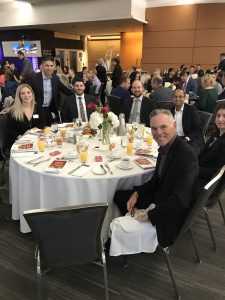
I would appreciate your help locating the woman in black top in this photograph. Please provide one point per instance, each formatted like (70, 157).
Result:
(23, 115)
(212, 156)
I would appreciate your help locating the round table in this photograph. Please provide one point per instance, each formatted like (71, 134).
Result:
(31, 187)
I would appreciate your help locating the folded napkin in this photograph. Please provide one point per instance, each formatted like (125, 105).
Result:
(81, 171)
(24, 154)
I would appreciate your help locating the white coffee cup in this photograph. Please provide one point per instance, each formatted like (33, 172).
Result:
(125, 162)
(70, 153)
(115, 152)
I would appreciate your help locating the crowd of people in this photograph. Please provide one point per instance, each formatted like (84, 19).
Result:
(39, 99)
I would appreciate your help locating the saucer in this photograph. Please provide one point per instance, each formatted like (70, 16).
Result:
(97, 170)
(70, 156)
(124, 168)
(114, 156)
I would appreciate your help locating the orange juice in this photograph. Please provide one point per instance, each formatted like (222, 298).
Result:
(129, 148)
(83, 156)
(41, 145)
(149, 139)
(59, 141)
(63, 132)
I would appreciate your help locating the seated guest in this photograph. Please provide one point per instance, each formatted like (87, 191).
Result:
(170, 76)
(171, 187)
(187, 83)
(222, 95)
(212, 156)
(122, 90)
(139, 107)
(159, 92)
(95, 81)
(65, 81)
(208, 95)
(187, 120)
(87, 83)
(23, 115)
(71, 76)
(76, 105)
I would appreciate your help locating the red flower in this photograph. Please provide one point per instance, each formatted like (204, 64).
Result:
(92, 106)
(105, 109)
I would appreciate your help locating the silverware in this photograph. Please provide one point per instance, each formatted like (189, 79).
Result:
(71, 172)
(23, 151)
(103, 168)
(107, 166)
(41, 161)
(33, 160)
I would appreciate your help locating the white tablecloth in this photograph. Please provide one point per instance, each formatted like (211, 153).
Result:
(31, 187)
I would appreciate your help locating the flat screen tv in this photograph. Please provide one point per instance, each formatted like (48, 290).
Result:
(30, 48)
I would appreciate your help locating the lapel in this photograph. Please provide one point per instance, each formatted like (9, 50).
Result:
(184, 117)
(41, 85)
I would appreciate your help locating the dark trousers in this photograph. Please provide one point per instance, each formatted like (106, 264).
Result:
(47, 116)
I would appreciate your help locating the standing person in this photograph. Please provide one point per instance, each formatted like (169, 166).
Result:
(171, 187)
(138, 108)
(46, 86)
(101, 74)
(95, 81)
(27, 67)
(23, 115)
(117, 72)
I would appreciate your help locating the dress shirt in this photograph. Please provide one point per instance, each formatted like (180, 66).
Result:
(138, 119)
(84, 105)
(96, 82)
(178, 118)
(47, 86)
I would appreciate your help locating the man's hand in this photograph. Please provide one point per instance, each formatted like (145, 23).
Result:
(142, 217)
(132, 201)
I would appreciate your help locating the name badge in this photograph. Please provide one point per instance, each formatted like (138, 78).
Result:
(36, 116)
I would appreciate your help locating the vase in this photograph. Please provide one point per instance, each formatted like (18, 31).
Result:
(106, 126)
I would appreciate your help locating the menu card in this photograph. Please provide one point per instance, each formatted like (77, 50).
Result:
(143, 152)
(145, 163)
(56, 165)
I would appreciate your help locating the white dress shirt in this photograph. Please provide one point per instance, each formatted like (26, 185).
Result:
(178, 118)
(84, 105)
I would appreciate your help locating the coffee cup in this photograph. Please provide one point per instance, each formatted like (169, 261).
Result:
(115, 152)
(70, 153)
(125, 162)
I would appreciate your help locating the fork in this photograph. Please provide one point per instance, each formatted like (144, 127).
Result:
(41, 161)
(107, 166)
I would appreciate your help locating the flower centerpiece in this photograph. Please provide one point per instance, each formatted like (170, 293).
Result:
(102, 119)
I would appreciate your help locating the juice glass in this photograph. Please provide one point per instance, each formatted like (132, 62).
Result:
(129, 148)
(149, 139)
(83, 156)
(41, 145)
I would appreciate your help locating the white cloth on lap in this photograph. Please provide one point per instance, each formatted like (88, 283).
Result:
(130, 236)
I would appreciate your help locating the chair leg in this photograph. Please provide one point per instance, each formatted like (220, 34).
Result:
(222, 211)
(166, 254)
(124, 263)
(105, 275)
(195, 246)
(39, 279)
(210, 228)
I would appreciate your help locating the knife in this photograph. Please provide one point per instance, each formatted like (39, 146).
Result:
(78, 167)
(103, 169)
(34, 160)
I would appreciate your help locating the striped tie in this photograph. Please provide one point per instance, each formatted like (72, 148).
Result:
(135, 111)
(82, 113)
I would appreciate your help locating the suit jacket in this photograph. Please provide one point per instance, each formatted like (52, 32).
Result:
(116, 75)
(36, 82)
(212, 157)
(192, 86)
(162, 94)
(191, 125)
(101, 73)
(69, 109)
(147, 106)
(171, 193)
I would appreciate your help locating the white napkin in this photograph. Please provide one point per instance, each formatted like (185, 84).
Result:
(81, 171)
(23, 154)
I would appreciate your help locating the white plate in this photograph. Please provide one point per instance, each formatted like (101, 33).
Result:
(114, 156)
(70, 156)
(124, 168)
(97, 170)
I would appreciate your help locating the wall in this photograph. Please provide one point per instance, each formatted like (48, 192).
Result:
(97, 49)
(131, 49)
(184, 34)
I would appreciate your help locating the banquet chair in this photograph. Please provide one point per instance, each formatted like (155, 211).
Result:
(92, 90)
(115, 104)
(199, 199)
(3, 137)
(205, 118)
(68, 236)
(164, 104)
(214, 198)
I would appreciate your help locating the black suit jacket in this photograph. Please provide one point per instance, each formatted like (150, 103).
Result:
(36, 82)
(69, 109)
(147, 106)
(212, 157)
(191, 125)
(116, 76)
(172, 192)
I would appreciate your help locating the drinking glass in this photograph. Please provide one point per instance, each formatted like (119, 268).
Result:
(129, 148)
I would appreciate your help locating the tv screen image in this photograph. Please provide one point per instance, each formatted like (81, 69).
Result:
(30, 48)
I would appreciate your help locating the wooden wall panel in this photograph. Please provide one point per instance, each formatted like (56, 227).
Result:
(168, 55)
(207, 55)
(177, 38)
(210, 37)
(211, 15)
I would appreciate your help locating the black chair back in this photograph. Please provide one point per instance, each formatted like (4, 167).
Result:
(69, 235)
(164, 104)
(92, 90)
(115, 104)
(205, 118)
(3, 135)
(199, 200)
(216, 193)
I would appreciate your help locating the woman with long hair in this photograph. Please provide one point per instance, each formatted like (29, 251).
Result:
(23, 115)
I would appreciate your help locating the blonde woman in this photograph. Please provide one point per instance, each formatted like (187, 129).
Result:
(208, 95)
(23, 115)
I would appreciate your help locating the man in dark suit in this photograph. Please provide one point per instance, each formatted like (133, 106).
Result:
(117, 72)
(46, 86)
(159, 92)
(101, 74)
(172, 184)
(187, 83)
(27, 67)
(76, 105)
(188, 121)
(138, 108)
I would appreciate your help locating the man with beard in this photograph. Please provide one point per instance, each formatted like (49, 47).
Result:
(138, 108)
(76, 105)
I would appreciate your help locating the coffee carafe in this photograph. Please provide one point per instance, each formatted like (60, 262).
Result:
(122, 125)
